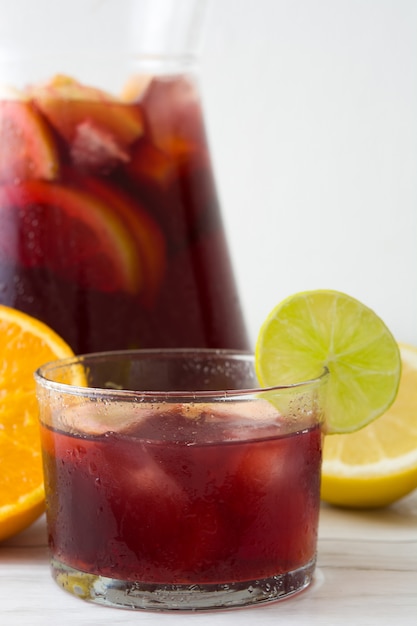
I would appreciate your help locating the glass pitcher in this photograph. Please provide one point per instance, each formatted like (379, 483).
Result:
(110, 229)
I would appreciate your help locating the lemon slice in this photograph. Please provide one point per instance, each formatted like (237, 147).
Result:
(378, 464)
(320, 329)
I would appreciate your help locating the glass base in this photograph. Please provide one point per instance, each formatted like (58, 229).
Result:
(153, 597)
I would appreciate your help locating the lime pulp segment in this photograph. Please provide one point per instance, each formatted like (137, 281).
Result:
(316, 329)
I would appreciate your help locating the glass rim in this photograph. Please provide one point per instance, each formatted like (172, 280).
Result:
(41, 375)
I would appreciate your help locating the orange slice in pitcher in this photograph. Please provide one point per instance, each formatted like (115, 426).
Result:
(95, 247)
(69, 105)
(149, 239)
(27, 146)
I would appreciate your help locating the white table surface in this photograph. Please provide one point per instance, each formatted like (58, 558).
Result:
(366, 575)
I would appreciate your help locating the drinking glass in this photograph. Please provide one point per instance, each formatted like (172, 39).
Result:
(174, 482)
(110, 225)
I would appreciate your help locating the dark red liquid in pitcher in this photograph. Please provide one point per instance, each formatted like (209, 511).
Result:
(110, 229)
(132, 506)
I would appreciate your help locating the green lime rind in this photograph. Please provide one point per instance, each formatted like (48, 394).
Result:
(316, 329)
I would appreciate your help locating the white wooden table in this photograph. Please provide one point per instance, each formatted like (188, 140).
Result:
(366, 575)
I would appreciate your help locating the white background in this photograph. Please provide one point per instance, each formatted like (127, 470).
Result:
(311, 107)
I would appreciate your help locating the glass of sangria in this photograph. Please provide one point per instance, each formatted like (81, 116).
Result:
(173, 482)
(110, 226)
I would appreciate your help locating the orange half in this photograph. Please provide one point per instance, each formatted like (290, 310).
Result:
(25, 344)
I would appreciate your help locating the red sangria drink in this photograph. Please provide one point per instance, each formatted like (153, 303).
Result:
(110, 229)
(199, 491)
